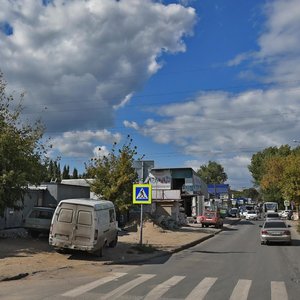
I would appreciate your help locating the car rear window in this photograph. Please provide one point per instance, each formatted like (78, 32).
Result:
(210, 215)
(274, 225)
(272, 215)
(41, 214)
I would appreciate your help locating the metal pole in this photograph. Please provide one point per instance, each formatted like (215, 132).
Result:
(141, 226)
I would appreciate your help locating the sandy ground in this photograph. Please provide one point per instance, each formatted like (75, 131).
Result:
(22, 256)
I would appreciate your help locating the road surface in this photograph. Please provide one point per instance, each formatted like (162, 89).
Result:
(232, 265)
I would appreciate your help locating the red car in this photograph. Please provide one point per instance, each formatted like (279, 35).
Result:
(210, 218)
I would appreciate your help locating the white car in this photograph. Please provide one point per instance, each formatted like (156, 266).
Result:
(251, 215)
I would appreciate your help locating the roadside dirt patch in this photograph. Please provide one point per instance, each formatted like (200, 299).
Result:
(24, 255)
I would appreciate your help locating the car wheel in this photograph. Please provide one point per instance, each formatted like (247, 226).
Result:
(99, 252)
(262, 242)
(33, 233)
(113, 243)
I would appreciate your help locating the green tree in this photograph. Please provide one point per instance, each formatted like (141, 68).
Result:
(282, 174)
(22, 154)
(114, 175)
(53, 172)
(66, 172)
(257, 166)
(75, 174)
(212, 173)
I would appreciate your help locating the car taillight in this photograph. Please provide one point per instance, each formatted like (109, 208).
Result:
(264, 232)
(96, 234)
(287, 232)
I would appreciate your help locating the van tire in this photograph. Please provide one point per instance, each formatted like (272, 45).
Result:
(100, 252)
(34, 234)
(113, 243)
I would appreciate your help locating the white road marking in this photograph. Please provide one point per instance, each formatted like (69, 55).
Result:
(241, 290)
(162, 288)
(87, 287)
(278, 290)
(124, 288)
(201, 289)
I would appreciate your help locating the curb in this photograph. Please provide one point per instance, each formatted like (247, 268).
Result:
(170, 252)
(162, 254)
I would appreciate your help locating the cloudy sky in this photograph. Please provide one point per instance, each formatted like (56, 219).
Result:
(190, 81)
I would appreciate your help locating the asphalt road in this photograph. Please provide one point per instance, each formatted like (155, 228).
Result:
(231, 265)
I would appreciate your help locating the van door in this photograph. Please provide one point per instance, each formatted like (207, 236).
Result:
(83, 234)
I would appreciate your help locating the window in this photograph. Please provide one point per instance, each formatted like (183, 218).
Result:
(41, 214)
(65, 215)
(84, 217)
(275, 225)
(111, 215)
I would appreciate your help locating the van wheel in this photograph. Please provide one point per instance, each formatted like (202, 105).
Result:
(99, 253)
(33, 233)
(113, 243)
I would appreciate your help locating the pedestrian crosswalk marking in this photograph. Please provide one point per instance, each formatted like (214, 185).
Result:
(241, 290)
(200, 291)
(278, 290)
(162, 288)
(124, 288)
(87, 287)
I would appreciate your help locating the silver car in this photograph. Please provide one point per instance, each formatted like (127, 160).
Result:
(276, 231)
(38, 220)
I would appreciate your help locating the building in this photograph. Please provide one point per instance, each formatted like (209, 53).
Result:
(47, 194)
(220, 193)
(177, 192)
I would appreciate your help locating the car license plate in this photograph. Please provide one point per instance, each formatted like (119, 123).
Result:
(275, 233)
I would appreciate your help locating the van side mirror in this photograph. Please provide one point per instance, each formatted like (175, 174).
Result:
(289, 226)
(260, 225)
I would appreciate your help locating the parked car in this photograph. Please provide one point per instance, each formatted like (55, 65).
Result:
(244, 213)
(251, 215)
(38, 220)
(234, 212)
(275, 231)
(211, 218)
(272, 216)
(286, 214)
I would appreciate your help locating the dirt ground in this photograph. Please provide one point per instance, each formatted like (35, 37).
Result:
(22, 256)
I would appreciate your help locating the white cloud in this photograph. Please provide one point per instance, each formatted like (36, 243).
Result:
(100, 151)
(132, 124)
(82, 143)
(81, 59)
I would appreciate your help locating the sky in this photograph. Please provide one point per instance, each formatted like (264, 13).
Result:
(190, 81)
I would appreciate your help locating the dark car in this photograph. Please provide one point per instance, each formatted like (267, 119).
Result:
(234, 212)
(38, 220)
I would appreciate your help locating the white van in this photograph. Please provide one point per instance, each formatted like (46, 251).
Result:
(84, 224)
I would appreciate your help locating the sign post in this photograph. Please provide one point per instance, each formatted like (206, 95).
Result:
(286, 204)
(142, 194)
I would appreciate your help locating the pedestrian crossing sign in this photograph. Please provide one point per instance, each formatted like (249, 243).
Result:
(142, 193)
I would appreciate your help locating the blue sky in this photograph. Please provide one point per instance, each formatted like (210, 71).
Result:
(190, 81)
